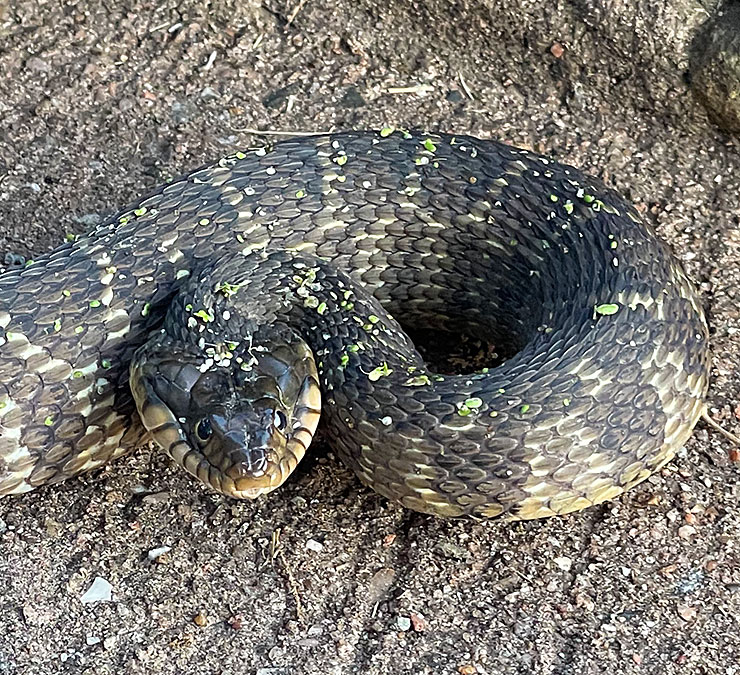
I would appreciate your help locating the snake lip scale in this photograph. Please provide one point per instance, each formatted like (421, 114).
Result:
(226, 311)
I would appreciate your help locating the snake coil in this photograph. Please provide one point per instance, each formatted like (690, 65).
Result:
(245, 297)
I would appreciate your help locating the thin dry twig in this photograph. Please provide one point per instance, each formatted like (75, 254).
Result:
(465, 87)
(714, 425)
(414, 89)
(276, 551)
(294, 13)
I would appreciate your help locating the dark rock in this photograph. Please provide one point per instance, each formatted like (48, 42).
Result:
(715, 67)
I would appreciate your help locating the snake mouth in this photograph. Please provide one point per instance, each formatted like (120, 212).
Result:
(237, 471)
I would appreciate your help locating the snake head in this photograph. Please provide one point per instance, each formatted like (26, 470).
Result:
(241, 430)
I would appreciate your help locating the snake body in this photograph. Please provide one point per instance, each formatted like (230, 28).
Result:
(607, 340)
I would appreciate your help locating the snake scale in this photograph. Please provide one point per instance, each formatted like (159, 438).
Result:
(241, 301)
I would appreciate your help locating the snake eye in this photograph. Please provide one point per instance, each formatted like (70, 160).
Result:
(203, 430)
(279, 420)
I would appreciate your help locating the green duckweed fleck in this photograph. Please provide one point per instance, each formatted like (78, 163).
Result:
(321, 309)
(240, 155)
(227, 289)
(344, 360)
(566, 402)
(381, 371)
(524, 408)
(429, 145)
(49, 421)
(607, 309)
(418, 381)
(79, 329)
(341, 160)
(300, 194)
(473, 402)
(106, 364)
(140, 211)
(145, 309)
(94, 303)
(203, 314)
(386, 131)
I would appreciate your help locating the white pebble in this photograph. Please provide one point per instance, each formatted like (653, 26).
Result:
(100, 591)
(563, 563)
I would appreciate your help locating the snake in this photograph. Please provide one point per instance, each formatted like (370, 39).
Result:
(226, 313)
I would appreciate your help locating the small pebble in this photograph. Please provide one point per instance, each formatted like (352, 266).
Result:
(563, 563)
(403, 623)
(557, 50)
(380, 584)
(418, 622)
(686, 612)
(155, 553)
(686, 531)
(313, 545)
(209, 94)
(156, 498)
(99, 591)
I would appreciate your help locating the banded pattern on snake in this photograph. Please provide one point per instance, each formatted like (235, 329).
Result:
(249, 296)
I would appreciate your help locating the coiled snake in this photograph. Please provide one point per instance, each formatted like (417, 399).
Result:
(282, 269)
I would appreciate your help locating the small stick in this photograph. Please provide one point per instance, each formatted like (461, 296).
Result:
(465, 87)
(295, 11)
(714, 425)
(276, 551)
(414, 89)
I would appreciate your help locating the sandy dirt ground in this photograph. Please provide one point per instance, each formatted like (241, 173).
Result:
(100, 101)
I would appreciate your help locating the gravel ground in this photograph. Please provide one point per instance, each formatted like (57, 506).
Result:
(102, 100)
